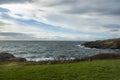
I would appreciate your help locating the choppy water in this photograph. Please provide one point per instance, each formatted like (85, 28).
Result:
(49, 50)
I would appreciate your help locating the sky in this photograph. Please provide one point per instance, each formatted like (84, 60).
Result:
(74, 20)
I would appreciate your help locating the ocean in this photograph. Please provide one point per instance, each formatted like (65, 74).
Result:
(50, 50)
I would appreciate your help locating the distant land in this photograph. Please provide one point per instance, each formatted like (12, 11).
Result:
(104, 44)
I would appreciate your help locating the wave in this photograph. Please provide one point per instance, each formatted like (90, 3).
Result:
(82, 46)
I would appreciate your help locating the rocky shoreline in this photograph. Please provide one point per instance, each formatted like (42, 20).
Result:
(104, 44)
(6, 57)
(10, 57)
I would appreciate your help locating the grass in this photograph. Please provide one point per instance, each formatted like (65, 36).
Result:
(87, 70)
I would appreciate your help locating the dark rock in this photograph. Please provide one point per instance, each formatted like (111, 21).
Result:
(104, 44)
(18, 59)
(102, 56)
(10, 57)
(5, 56)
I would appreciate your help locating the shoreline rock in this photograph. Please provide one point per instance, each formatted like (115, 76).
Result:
(6, 57)
(9, 57)
(104, 44)
(102, 56)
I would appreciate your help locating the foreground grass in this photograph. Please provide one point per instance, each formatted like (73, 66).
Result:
(94, 70)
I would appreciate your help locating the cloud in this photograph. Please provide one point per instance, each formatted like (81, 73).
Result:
(13, 1)
(53, 3)
(113, 27)
(2, 24)
(102, 7)
(62, 19)
(15, 36)
(3, 9)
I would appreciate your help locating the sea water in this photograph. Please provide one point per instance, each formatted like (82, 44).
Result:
(50, 50)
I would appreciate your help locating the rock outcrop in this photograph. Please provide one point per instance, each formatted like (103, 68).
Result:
(104, 44)
(9, 57)
(102, 56)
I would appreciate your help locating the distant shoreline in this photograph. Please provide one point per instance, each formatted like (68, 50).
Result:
(104, 44)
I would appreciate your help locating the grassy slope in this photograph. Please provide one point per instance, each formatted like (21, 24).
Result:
(94, 70)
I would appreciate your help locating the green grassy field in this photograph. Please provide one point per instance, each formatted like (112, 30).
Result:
(94, 70)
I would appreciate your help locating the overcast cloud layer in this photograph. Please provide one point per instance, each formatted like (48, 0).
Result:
(59, 19)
